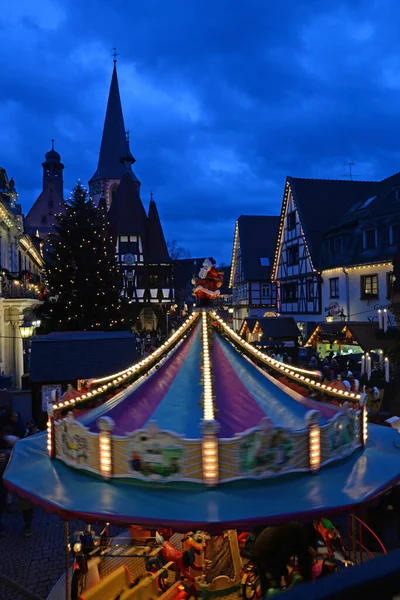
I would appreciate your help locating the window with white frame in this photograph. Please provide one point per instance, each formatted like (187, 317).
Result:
(369, 286)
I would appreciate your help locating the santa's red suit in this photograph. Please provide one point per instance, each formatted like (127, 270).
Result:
(208, 282)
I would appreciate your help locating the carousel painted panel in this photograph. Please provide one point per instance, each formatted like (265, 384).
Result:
(155, 455)
(341, 436)
(76, 446)
(228, 459)
(268, 451)
(193, 463)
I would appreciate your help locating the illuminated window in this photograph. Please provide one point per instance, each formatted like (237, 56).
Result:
(369, 286)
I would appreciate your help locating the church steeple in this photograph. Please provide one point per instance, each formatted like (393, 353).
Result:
(51, 200)
(110, 168)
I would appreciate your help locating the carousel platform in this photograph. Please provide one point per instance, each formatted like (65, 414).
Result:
(338, 488)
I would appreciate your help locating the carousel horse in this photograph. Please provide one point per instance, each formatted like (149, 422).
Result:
(330, 536)
(181, 559)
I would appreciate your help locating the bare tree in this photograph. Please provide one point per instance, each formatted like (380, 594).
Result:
(177, 252)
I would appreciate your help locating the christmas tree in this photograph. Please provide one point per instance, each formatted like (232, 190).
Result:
(82, 278)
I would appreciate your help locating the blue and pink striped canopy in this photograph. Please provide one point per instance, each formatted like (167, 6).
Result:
(172, 395)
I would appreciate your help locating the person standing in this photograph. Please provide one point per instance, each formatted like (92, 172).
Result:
(26, 509)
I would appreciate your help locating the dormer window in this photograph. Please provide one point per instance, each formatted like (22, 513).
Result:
(369, 239)
(395, 234)
(338, 244)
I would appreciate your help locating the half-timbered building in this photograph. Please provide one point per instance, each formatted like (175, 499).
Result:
(253, 293)
(141, 250)
(335, 248)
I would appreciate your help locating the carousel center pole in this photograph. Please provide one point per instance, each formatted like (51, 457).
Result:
(66, 541)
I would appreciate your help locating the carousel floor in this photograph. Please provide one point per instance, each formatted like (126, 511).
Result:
(337, 488)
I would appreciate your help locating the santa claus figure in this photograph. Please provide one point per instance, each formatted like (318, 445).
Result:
(207, 283)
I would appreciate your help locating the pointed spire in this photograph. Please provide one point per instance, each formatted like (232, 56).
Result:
(113, 141)
(158, 251)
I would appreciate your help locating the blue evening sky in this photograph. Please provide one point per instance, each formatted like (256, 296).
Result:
(223, 99)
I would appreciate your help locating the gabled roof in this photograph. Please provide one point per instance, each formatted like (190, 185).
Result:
(113, 141)
(256, 236)
(325, 205)
(321, 204)
(68, 356)
(127, 215)
(158, 251)
(250, 322)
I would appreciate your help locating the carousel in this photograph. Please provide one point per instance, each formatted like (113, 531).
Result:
(188, 449)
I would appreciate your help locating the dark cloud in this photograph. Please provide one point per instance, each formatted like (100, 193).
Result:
(223, 99)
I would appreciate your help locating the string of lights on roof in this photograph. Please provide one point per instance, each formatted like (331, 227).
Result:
(287, 195)
(234, 255)
(302, 375)
(359, 267)
(118, 378)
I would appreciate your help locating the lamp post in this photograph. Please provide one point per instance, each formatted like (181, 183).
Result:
(26, 330)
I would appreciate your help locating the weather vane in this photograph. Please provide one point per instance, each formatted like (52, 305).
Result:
(115, 54)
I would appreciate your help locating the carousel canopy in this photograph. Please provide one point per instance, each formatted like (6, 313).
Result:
(172, 396)
(206, 412)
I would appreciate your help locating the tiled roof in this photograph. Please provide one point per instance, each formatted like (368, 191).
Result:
(68, 356)
(329, 207)
(257, 235)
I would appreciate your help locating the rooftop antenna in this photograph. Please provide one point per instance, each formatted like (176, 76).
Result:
(115, 54)
(350, 165)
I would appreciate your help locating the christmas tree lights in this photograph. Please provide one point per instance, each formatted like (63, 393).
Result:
(84, 284)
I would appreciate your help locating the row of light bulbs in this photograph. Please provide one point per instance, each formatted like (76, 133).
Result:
(116, 378)
(208, 410)
(295, 372)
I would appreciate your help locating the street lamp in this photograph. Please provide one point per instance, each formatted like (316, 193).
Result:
(36, 324)
(26, 329)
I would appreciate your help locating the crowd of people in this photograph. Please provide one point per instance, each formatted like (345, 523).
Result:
(149, 340)
(12, 429)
